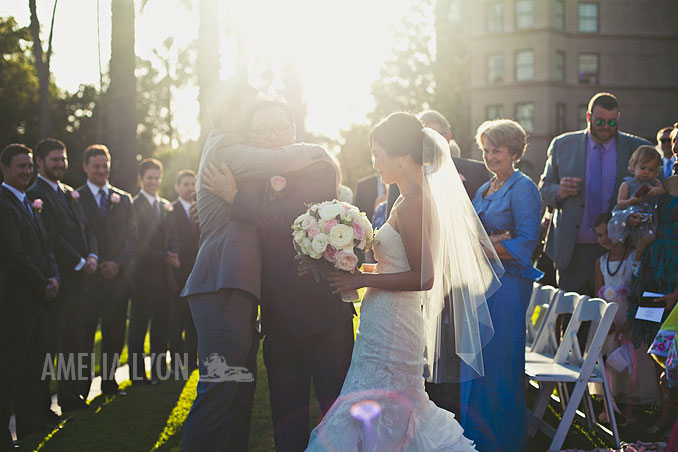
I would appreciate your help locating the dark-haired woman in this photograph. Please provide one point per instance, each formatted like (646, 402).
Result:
(493, 410)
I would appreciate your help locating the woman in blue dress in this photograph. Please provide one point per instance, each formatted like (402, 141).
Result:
(493, 410)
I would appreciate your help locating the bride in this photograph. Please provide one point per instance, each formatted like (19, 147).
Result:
(433, 244)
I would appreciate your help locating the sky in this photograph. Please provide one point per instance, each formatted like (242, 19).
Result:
(338, 46)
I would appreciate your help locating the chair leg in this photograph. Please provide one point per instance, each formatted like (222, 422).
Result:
(609, 404)
(545, 390)
(568, 416)
(588, 408)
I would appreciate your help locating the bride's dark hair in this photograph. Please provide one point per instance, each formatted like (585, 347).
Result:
(400, 134)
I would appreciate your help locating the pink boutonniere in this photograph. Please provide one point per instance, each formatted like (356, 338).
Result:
(115, 198)
(37, 205)
(75, 195)
(168, 207)
(278, 183)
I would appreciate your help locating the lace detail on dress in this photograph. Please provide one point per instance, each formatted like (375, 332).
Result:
(387, 368)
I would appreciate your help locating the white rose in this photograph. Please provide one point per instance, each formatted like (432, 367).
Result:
(330, 211)
(299, 236)
(306, 246)
(319, 243)
(341, 235)
(315, 255)
(301, 218)
(308, 223)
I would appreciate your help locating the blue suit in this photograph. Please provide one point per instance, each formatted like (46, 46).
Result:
(493, 411)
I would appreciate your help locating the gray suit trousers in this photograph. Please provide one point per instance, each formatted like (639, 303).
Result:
(221, 413)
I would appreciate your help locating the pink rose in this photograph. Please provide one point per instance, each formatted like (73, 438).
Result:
(346, 260)
(75, 195)
(278, 183)
(313, 231)
(309, 223)
(37, 204)
(358, 231)
(330, 253)
(329, 224)
(115, 198)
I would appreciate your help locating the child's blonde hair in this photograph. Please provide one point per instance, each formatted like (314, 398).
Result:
(644, 154)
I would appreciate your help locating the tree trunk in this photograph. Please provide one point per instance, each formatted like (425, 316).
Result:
(42, 69)
(208, 60)
(122, 120)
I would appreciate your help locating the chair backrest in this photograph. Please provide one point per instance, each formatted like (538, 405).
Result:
(541, 298)
(547, 341)
(601, 315)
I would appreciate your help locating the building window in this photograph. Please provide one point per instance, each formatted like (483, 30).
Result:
(560, 14)
(588, 69)
(454, 13)
(524, 14)
(560, 117)
(560, 66)
(525, 116)
(581, 116)
(494, 112)
(495, 68)
(525, 65)
(588, 17)
(494, 17)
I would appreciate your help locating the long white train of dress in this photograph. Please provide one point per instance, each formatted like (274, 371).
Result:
(385, 381)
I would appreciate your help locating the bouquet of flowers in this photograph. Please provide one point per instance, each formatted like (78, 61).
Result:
(332, 234)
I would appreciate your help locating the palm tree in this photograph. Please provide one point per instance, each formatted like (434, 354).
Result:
(42, 62)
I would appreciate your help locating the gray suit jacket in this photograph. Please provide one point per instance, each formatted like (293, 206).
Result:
(567, 158)
(229, 254)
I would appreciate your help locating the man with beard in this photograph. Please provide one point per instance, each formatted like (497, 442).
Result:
(224, 286)
(75, 249)
(309, 331)
(581, 179)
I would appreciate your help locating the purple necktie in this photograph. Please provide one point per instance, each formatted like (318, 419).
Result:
(103, 203)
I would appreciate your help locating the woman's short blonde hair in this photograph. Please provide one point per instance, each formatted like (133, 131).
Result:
(503, 132)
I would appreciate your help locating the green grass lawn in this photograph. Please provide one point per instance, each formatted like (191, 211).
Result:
(150, 418)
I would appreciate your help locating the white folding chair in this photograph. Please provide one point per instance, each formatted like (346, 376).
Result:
(542, 297)
(570, 365)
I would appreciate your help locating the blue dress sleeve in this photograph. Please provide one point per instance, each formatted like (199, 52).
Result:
(526, 209)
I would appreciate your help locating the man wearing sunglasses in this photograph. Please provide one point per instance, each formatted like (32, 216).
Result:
(581, 179)
(664, 146)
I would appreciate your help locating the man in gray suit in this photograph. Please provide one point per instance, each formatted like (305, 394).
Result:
(581, 179)
(224, 286)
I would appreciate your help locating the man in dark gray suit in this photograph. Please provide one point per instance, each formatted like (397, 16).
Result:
(581, 179)
(224, 286)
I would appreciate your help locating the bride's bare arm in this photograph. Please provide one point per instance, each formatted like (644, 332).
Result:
(409, 223)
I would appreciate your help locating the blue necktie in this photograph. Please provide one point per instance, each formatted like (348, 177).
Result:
(103, 203)
(27, 203)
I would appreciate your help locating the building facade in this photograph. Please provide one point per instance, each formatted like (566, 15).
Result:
(540, 61)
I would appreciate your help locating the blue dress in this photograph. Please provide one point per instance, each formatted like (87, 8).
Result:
(493, 410)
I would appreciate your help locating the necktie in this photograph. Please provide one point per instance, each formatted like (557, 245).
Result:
(103, 203)
(156, 207)
(62, 195)
(28, 206)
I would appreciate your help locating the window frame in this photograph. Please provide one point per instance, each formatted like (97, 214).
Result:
(518, 105)
(496, 20)
(588, 18)
(518, 66)
(518, 15)
(489, 68)
(584, 81)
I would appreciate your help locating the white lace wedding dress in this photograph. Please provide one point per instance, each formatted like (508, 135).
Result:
(385, 376)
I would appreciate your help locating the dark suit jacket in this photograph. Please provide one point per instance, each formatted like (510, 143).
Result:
(189, 242)
(306, 307)
(366, 192)
(25, 245)
(474, 172)
(567, 158)
(67, 228)
(157, 235)
(116, 234)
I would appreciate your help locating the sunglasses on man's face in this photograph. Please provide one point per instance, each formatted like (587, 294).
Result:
(601, 122)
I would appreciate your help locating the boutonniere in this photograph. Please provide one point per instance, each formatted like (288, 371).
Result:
(115, 198)
(37, 205)
(278, 183)
(75, 195)
(168, 207)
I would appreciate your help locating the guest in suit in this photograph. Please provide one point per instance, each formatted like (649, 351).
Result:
(369, 193)
(155, 259)
(664, 147)
(493, 407)
(582, 175)
(33, 284)
(111, 216)
(75, 250)
(224, 286)
(309, 331)
(472, 172)
(6, 441)
(183, 337)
